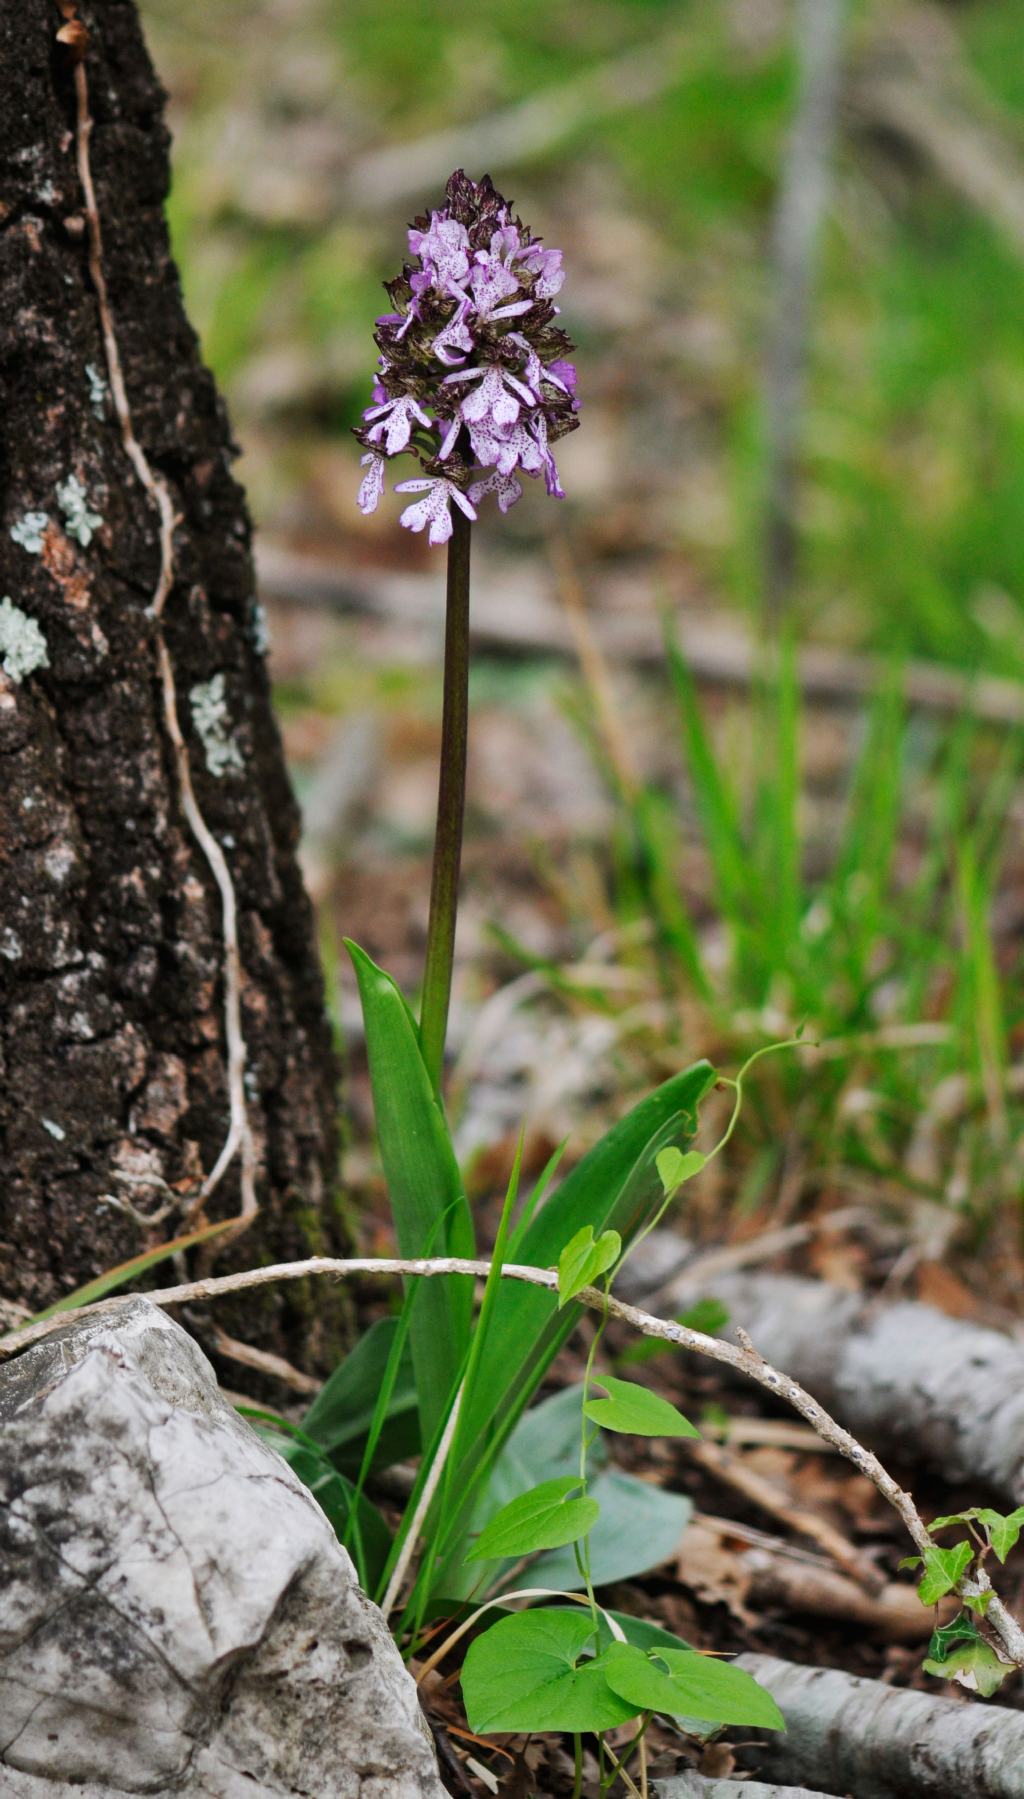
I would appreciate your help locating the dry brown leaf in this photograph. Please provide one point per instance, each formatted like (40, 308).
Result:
(713, 1572)
(937, 1286)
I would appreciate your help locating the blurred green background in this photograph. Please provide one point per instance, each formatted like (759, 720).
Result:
(912, 441)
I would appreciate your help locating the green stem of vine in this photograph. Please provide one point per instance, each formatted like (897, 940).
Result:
(577, 1753)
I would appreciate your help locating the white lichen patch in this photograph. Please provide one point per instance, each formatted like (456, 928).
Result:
(79, 521)
(22, 644)
(30, 531)
(97, 389)
(212, 721)
(10, 945)
(259, 629)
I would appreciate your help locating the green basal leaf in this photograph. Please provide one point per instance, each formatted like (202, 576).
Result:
(530, 1672)
(583, 1259)
(636, 1411)
(678, 1165)
(342, 1415)
(615, 1187)
(544, 1518)
(683, 1683)
(942, 1570)
(641, 1631)
(425, 1191)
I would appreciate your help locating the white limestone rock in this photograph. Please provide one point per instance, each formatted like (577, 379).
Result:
(177, 1617)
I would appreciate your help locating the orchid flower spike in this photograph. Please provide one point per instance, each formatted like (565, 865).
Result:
(473, 373)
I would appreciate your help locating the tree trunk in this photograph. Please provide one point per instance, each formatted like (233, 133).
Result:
(160, 1065)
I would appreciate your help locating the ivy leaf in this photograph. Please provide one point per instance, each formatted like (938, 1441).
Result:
(942, 1570)
(676, 1166)
(973, 1665)
(636, 1411)
(979, 1602)
(543, 1518)
(583, 1259)
(1003, 1531)
(694, 1686)
(947, 1637)
(528, 1672)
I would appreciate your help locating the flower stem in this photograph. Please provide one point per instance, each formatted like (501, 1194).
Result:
(451, 797)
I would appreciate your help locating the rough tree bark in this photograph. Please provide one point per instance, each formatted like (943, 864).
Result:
(132, 1106)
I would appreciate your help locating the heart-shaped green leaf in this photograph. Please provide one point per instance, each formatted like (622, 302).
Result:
(583, 1259)
(677, 1165)
(640, 1527)
(528, 1672)
(694, 1686)
(543, 1518)
(636, 1411)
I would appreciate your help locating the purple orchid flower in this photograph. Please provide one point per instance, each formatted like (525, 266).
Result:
(394, 422)
(507, 488)
(434, 508)
(471, 353)
(372, 485)
(493, 403)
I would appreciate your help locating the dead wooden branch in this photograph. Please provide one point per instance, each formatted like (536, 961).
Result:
(752, 1572)
(736, 1473)
(701, 1786)
(860, 1736)
(514, 615)
(517, 134)
(938, 1389)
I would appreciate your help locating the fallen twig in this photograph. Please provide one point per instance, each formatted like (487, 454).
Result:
(702, 1786)
(914, 84)
(518, 133)
(514, 615)
(720, 1559)
(736, 1473)
(741, 1356)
